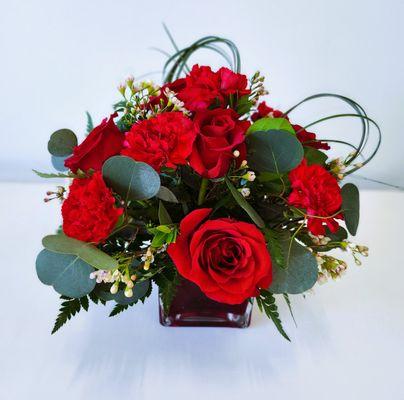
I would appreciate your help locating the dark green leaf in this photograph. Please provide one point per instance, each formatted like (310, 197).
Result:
(62, 142)
(243, 105)
(314, 156)
(90, 125)
(69, 308)
(131, 179)
(68, 274)
(243, 203)
(85, 251)
(166, 195)
(273, 151)
(350, 207)
(164, 216)
(287, 300)
(118, 309)
(300, 274)
(271, 124)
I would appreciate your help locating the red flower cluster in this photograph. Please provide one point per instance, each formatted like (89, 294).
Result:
(203, 87)
(265, 111)
(317, 191)
(103, 142)
(163, 141)
(220, 132)
(309, 138)
(89, 212)
(227, 259)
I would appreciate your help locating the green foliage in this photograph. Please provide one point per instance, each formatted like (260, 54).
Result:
(164, 216)
(167, 282)
(62, 142)
(276, 151)
(270, 124)
(163, 234)
(167, 195)
(314, 156)
(139, 291)
(131, 179)
(68, 309)
(118, 309)
(301, 270)
(266, 302)
(68, 274)
(287, 300)
(350, 207)
(244, 204)
(90, 125)
(78, 174)
(275, 248)
(243, 105)
(85, 251)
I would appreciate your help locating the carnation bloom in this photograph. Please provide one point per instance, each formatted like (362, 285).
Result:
(89, 212)
(317, 191)
(232, 83)
(309, 138)
(263, 110)
(162, 141)
(227, 259)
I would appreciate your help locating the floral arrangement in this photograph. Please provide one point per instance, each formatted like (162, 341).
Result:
(200, 179)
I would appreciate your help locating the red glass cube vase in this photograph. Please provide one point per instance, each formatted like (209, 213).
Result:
(190, 307)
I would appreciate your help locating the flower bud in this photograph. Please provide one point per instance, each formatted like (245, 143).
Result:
(249, 176)
(114, 288)
(236, 153)
(128, 292)
(245, 192)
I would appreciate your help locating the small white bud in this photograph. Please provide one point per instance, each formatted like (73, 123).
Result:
(245, 192)
(236, 153)
(130, 284)
(93, 275)
(128, 292)
(114, 288)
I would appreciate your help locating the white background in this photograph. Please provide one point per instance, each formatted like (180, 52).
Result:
(61, 58)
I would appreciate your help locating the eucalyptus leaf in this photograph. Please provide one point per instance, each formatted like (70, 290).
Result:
(270, 124)
(67, 273)
(167, 195)
(273, 151)
(350, 207)
(131, 179)
(300, 273)
(314, 156)
(59, 163)
(244, 204)
(62, 142)
(85, 251)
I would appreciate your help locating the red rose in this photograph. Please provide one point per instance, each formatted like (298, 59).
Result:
(227, 259)
(317, 191)
(220, 132)
(265, 111)
(164, 140)
(89, 212)
(308, 138)
(202, 88)
(103, 142)
(232, 83)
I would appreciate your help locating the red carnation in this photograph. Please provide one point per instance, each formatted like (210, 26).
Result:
(220, 133)
(164, 140)
(265, 111)
(317, 191)
(202, 88)
(103, 142)
(89, 212)
(227, 259)
(232, 83)
(309, 138)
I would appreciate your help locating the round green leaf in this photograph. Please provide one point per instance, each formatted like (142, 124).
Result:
(85, 251)
(131, 179)
(270, 124)
(67, 273)
(273, 151)
(167, 195)
(62, 142)
(300, 274)
(350, 207)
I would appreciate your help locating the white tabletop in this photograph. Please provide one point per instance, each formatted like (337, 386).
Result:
(348, 344)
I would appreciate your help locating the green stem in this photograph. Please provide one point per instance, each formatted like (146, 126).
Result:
(202, 191)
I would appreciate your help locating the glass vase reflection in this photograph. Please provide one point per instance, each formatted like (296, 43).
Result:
(190, 307)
